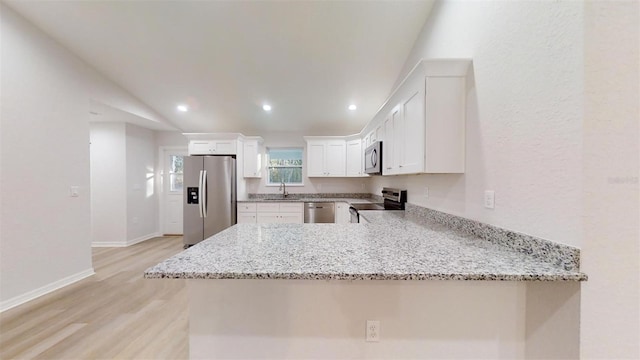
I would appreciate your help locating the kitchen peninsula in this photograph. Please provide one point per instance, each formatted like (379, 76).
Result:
(256, 291)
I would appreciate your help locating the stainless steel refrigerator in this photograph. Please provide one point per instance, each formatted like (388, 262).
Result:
(209, 196)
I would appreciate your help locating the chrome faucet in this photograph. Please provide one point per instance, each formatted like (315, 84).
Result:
(283, 188)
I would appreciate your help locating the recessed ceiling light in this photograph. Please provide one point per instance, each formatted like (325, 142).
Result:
(352, 107)
(183, 108)
(266, 107)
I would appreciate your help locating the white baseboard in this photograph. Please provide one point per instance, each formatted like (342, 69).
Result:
(143, 238)
(125, 243)
(36, 293)
(109, 244)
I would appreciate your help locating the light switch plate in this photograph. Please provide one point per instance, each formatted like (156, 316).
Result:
(489, 199)
(74, 191)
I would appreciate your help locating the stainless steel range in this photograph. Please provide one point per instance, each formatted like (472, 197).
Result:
(394, 199)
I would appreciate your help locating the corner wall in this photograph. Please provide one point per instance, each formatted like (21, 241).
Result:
(610, 319)
(45, 150)
(108, 183)
(141, 196)
(46, 90)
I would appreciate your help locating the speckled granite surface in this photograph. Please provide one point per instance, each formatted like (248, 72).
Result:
(327, 199)
(307, 197)
(395, 246)
(565, 256)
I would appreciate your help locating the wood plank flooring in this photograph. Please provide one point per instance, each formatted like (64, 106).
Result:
(115, 314)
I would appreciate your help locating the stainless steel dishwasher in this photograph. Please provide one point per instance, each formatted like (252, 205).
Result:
(319, 212)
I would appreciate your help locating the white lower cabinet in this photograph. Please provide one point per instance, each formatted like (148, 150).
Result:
(246, 213)
(244, 218)
(271, 213)
(342, 213)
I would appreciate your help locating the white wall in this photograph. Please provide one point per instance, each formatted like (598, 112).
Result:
(552, 127)
(108, 183)
(46, 90)
(302, 319)
(524, 113)
(311, 185)
(45, 150)
(142, 203)
(610, 318)
(171, 138)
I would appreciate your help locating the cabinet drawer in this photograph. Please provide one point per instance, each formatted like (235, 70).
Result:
(246, 207)
(291, 207)
(247, 218)
(268, 207)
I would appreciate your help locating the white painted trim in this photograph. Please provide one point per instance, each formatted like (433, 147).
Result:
(143, 238)
(36, 293)
(126, 243)
(108, 244)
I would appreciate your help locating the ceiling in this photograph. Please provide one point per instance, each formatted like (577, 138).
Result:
(224, 59)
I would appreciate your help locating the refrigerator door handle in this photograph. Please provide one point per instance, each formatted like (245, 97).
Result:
(204, 193)
(200, 193)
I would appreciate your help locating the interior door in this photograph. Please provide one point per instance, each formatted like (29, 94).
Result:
(173, 185)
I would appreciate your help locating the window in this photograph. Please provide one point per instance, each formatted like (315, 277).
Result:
(176, 171)
(284, 164)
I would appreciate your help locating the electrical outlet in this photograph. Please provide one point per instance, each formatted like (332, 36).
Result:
(489, 199)
(426, 192)
(372, 333)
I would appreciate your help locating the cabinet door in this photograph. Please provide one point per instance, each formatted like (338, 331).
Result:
(291, 218)
(354, 158)
(411, 157)
(246, 207)
(252, 160)
(268, 218)
(335, 158)
(315, 158)
(200, 147)
(291, 207)
(366, 141)
(377, 133)
(389, 146)
(247, 218)
(342, 213)
(225, 147)
(445, 119)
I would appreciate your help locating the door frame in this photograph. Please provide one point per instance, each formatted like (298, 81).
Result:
(162, 151)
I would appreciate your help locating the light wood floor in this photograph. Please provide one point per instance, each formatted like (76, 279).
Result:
(114, 314)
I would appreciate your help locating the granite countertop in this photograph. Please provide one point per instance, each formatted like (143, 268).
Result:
(394, 246)
(310, 199)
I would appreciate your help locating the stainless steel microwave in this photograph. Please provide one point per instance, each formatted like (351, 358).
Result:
(373, 159)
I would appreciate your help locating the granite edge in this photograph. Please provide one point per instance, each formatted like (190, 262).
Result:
(300, 196)
(407, 277)
(564, 256)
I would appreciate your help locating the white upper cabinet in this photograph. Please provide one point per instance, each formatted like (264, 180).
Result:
(252, 165)
(212, 147)
(424, 126)
(213, 143)
(326, 157)
(354, 158)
